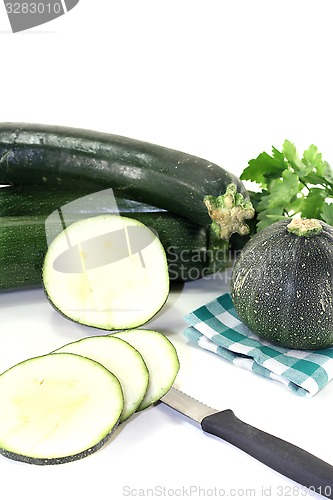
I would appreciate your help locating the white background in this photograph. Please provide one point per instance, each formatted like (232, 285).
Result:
(223, 80)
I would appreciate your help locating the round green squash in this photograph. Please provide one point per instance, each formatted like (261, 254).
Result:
(282, 284)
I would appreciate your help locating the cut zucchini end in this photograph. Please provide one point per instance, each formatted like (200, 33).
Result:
(57, 408)
(161, 358)
(228, 212)
(108, 272)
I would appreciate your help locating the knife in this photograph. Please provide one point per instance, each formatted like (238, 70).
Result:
(285, 458)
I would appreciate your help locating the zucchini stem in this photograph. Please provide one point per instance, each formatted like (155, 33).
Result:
(229, 212)
(305, 227)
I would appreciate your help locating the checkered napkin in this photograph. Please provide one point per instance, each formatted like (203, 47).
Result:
(216, 327)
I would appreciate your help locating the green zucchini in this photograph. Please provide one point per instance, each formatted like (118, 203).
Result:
(67, 157)
(192, 251)
(16, 201)
(22, 250)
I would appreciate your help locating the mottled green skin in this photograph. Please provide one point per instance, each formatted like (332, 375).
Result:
(282, 287)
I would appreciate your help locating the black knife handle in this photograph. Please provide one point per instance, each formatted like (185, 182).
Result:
(286, 458)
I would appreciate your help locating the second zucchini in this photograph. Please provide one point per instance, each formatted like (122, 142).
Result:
(192, 251)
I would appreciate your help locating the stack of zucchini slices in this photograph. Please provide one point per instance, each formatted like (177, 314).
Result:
(65, 405)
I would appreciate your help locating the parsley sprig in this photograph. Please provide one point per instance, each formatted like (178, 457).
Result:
(291, 185)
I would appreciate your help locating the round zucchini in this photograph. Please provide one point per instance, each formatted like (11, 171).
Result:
(282, 284)
(64, 156)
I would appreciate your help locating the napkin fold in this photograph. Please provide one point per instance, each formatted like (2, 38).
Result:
(216, 327)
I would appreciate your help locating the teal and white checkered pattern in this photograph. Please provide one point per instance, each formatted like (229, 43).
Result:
(216, 327)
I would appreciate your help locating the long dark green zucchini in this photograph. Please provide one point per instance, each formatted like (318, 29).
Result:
(85, 159)
(192, 251)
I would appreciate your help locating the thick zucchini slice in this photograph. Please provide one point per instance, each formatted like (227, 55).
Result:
(120, 358)
(57, 408)
(108, 272)
(160, 357)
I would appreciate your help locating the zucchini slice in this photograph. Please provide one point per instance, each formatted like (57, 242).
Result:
(160, 357)
(108, 272)
(57, 408)
(120, 358)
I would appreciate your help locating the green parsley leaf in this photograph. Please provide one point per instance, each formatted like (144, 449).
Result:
(276, 203)
(290, 153)
(327, 213)
(313, 159)
(312, 204)
(291, 185)
(265, 168)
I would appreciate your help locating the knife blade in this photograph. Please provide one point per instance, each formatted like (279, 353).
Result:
(284, 457)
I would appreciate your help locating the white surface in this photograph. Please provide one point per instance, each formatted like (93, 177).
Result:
(218, 79)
